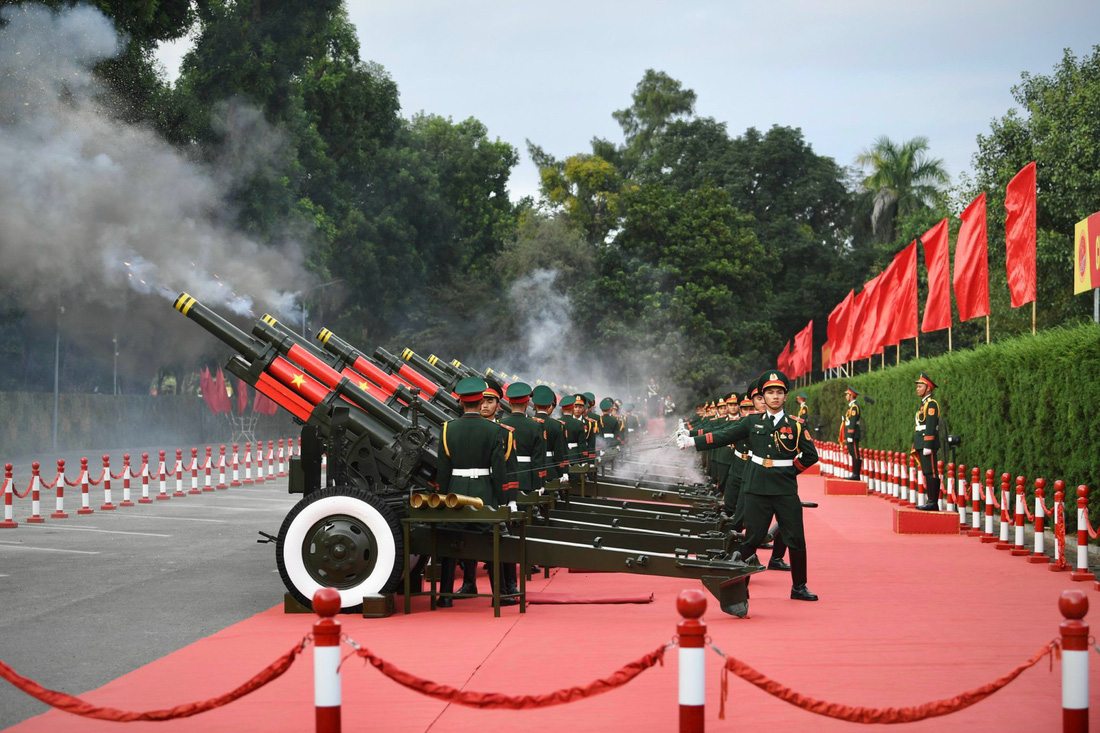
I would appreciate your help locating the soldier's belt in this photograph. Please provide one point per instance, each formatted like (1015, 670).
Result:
(742, 456)
(523, 459)
(570, 445)
(630, 430)
(549, 454)
(470, 472)
(922, 427)
(609, 435)
(770, 462)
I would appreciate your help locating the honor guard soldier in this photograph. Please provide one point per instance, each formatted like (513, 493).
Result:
(492, 409)
(926, 440)
(530, 447)
(631, 421)
(722, 457)
(553, 433)
(592, 427)
(781, 449)
(472, 463)
(608, 427)
(803, 410)
(852, 433)
(576, 431)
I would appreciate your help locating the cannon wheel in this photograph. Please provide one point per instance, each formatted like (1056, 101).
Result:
(340, 538)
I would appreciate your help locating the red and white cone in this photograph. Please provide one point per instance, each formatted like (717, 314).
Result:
(85, 499)
(106, 479)
(1082, 572)
(326, 661)
(36, 496)
(692, 634)
(9, 492)
(1074, 604)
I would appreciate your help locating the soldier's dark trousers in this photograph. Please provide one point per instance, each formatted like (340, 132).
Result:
(779, 547)
(787, 510)
(857, 462)
(930, 468)
(722, 471)
(469, 573)
(447, 575)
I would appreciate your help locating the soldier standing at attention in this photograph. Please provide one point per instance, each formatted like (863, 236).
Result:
(471, 462)
(576, 431)
(926, 440)
(553, 433)
(608, 427)
(852, 433)
(631, 421)
(492, 410)
(722, 457)
(803, 410)
(781, 449)
(530, 447)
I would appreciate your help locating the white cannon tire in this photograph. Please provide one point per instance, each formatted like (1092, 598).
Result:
(359, 520)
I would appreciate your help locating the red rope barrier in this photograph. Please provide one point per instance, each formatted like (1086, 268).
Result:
(98, 480)
(1088, 526)
(76, 706)
(862, 714)
(1060, 535)
(25, 493)
(497, 700)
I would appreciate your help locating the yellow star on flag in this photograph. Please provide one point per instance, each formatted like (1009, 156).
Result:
(298, 380)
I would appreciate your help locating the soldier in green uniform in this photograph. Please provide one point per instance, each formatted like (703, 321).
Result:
(576, 431)
(732, 501)
(530, 446)
(781, 449)
(471, 462)
(608, 427)
(803, 410)
(721, 457)
(592, 427)
(926, 440)
(492, 409)
(852, 433)
(631, 421)
(554, 463)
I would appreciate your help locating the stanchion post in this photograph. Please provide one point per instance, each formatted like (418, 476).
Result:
(9, 489)
(692, 633)
(59, 511)
(207, 482)
(179, 474)
(987, 534)
(221, 469)
(1006, 518)
(1039, 555)
(85, 498)
(107, 505)
(126, 475)
(1082, 572)
(194, 469)
(235, 466)
(326, 660)
(162, 476)
(1074, 604)
(1059, 563)
(1018, 540)
(36, 487)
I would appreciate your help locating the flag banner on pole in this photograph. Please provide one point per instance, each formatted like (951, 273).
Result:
(863, 331)
(1020, 236)
(855, 319)
(782, 362)
(1086, 256)
(937, 258)
(904, 306)
(834, 352)
(804, 350)
(971, 276)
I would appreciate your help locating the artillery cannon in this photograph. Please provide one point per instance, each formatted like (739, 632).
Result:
(382, 441)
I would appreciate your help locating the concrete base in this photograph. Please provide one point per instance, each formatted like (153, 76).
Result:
(844, 487)
(914, 521)
(378, 606)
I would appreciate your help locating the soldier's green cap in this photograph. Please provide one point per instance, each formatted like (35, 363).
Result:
(470, 389)
(543, 396)
(518, 392)
(591, 398)
(774, 378)
(926, 380)
(851, 392)
(607, 403)
(579, 400)
(801, 395)
(752, 388)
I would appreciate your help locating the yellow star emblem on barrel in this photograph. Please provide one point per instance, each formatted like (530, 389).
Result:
(298, 380)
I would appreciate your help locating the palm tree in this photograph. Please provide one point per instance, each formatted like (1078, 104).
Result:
(903, 179)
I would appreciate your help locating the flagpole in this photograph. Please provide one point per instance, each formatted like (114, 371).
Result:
(987, 329)
(949, 338)
(918, 345)
(1033, 318)
(898, 361)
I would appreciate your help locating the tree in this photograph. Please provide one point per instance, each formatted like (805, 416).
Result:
(658, 100)
(903, 179)
(584, 187)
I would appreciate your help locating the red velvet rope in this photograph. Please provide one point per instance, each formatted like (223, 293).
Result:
(1088, 525)
(25, 493)
(497, 700)
(861, 714)
(1060, 533)
(120, 474)
(76, 706)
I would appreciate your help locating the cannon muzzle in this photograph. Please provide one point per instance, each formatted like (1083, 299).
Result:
(454, 501)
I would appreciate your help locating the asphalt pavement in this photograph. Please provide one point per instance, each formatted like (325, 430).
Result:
(86, 599)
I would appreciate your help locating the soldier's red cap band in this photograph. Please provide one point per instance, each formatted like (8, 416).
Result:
(772, 383)
(491, 393)
(470, 397)
(925, 382)
(519, 400)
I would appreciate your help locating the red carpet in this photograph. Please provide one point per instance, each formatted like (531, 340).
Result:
(903, 620)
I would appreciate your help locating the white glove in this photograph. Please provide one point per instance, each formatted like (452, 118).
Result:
(927, 451)
(683, 441)
(513, 507)
(540, 492)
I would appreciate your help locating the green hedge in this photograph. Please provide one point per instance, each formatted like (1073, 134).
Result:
(1027, 406)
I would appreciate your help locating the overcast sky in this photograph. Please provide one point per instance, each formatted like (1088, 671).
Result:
(844, 72)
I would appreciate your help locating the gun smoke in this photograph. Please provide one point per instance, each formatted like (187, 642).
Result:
(100, 215)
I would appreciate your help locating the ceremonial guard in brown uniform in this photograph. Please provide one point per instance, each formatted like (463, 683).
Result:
(926, 440)
(471, 462)
(781, 449)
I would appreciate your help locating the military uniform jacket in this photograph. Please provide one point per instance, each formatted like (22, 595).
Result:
(511, 464)
(610, 429)
(926, 434)
(553, 435)
(851, 421)
(472, 443)
(590, 437)
(576, 435)
(530, 445)
(780, 451)
(722, 454)
(803, 412)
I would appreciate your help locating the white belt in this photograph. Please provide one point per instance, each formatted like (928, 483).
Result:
(922, 427)
(470, 472)
(523, 459)
(549, 454)
(742, 456)
(770, 462)
(630, 430)
(609, 435)
(570, 445)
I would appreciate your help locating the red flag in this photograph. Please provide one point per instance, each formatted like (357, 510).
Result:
(264, 405)
(804, 351)
(782, 362)
(855, 320)
(206, 384)
(863, 330)
(904, 302)
(835, 351)
(221, 396)
(971, 277)
(242, 397)
(937, 309)
(1020, 236)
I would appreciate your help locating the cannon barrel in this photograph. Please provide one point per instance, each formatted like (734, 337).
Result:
(425, 367)
(431, 388)
(452, 371)
(454, 501)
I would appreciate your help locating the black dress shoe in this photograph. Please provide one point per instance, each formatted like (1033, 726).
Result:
(776, 563)
(445, 603)
(508, 601)
(800, 593)
(766, 546)
(929, 507)
(470, 589)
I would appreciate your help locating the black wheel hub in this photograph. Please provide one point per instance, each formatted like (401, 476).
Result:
(339, 551)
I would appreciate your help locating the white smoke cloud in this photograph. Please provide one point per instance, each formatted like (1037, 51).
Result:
(93, 208)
